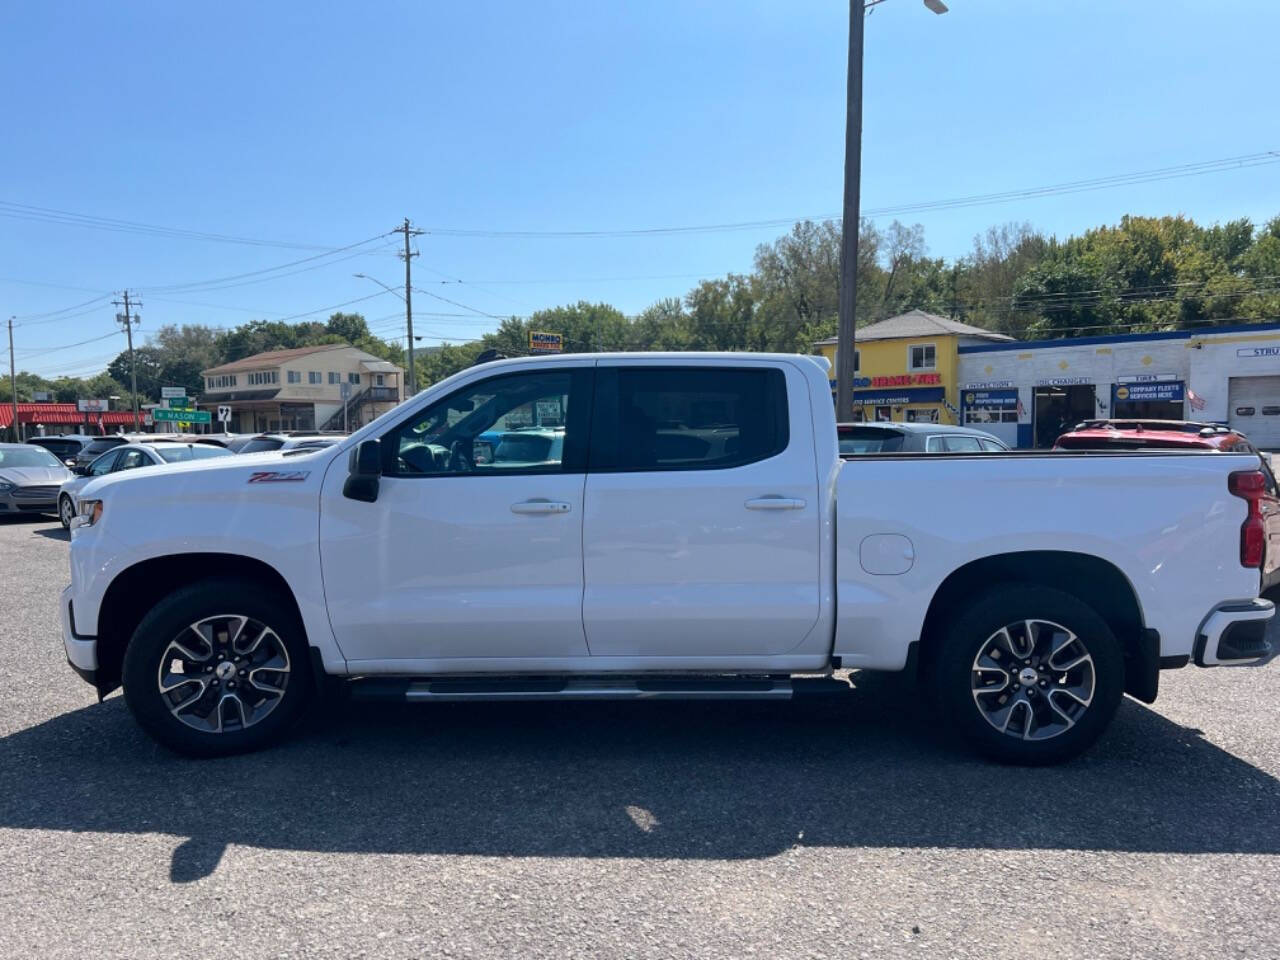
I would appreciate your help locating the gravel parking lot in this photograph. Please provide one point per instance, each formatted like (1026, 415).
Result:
(840, 828)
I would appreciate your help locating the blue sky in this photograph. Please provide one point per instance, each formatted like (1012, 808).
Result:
(319, 125)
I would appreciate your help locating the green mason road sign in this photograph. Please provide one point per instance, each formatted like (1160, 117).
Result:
(162, 415)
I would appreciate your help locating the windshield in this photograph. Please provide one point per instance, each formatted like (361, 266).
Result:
(856, 440)
(182, 454)
(28, 457)
(261, 445)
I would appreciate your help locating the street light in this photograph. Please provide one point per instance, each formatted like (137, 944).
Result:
(413, 379)
(408, 319)
(363, 276)
(846, 342)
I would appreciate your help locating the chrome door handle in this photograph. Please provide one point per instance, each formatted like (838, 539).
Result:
(534, 507)
(774, 503)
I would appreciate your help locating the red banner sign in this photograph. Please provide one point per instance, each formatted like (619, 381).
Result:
(908, 380)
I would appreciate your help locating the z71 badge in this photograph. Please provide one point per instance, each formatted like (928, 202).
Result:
(278, 476)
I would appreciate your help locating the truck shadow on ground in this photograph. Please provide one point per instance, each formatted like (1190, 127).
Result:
(672, 780)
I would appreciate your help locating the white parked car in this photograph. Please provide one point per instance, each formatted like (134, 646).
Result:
(130, 456)
(697, 535)
(270, 442)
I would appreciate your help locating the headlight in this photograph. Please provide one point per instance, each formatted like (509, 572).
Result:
(6, 486)
(90, 513)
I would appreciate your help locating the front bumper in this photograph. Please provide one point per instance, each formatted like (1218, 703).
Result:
(9, 503)
(82, 652)
(1236, 634)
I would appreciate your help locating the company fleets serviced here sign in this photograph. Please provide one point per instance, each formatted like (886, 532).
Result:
(1169, 391)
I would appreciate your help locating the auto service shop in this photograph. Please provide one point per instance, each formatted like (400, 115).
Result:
(1029, 392)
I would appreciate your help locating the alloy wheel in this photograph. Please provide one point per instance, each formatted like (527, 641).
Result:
(1033, 679)
(224, 673)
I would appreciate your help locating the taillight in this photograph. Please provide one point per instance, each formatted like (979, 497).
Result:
(1250, 485)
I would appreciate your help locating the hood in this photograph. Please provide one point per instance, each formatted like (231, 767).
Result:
(34, 476)
(313, 462)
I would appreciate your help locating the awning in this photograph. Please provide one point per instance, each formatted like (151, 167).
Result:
(378, 366)
(61, 413)
(237, 396)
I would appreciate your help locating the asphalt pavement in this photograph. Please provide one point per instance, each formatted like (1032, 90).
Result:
(830, 828)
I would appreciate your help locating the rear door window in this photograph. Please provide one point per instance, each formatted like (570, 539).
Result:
(687, 418)
(957, 444)
(992, 446)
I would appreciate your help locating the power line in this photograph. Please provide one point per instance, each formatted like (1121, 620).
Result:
(23, 211)
(229, 280)
(41, 351)
(1073, 186)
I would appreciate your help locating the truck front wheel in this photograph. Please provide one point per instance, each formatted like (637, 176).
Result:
(218, 667)
(1029, 675)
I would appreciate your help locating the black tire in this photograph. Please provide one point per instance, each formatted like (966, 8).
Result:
(965, 687)
(207, 603)
(65, 505)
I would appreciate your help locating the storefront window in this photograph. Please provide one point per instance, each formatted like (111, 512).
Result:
(1148, 400)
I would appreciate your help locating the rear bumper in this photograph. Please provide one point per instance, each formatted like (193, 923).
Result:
(1235, 634)
(82, 652)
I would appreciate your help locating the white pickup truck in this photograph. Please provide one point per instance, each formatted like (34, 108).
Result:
(660, 526)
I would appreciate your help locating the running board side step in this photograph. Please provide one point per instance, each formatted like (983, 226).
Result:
(592, 688)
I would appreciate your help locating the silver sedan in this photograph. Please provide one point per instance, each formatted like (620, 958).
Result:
(30, 477)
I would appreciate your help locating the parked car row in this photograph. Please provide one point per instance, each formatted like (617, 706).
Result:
(46, 474)
(78, 450)
(130, 456)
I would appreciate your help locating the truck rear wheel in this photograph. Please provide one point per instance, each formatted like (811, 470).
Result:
(216, 668)
(1028, 675)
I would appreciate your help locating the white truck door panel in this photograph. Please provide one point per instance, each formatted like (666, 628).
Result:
(685, 553)
(473, 548)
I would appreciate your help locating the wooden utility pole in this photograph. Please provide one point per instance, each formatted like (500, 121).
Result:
(13, 386)
(127, 319)
(846, 346)
(407, 256)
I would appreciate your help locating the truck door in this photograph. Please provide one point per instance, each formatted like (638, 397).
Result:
(700, 531)
(469, 551)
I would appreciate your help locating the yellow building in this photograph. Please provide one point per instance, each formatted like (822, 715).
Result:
(906, 367)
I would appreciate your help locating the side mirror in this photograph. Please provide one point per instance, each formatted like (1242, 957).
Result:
(365, 466)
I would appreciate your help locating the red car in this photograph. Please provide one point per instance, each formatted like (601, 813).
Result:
(1106, 435)
(1152, 434)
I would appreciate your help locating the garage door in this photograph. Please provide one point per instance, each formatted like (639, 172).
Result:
(1255, 409)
